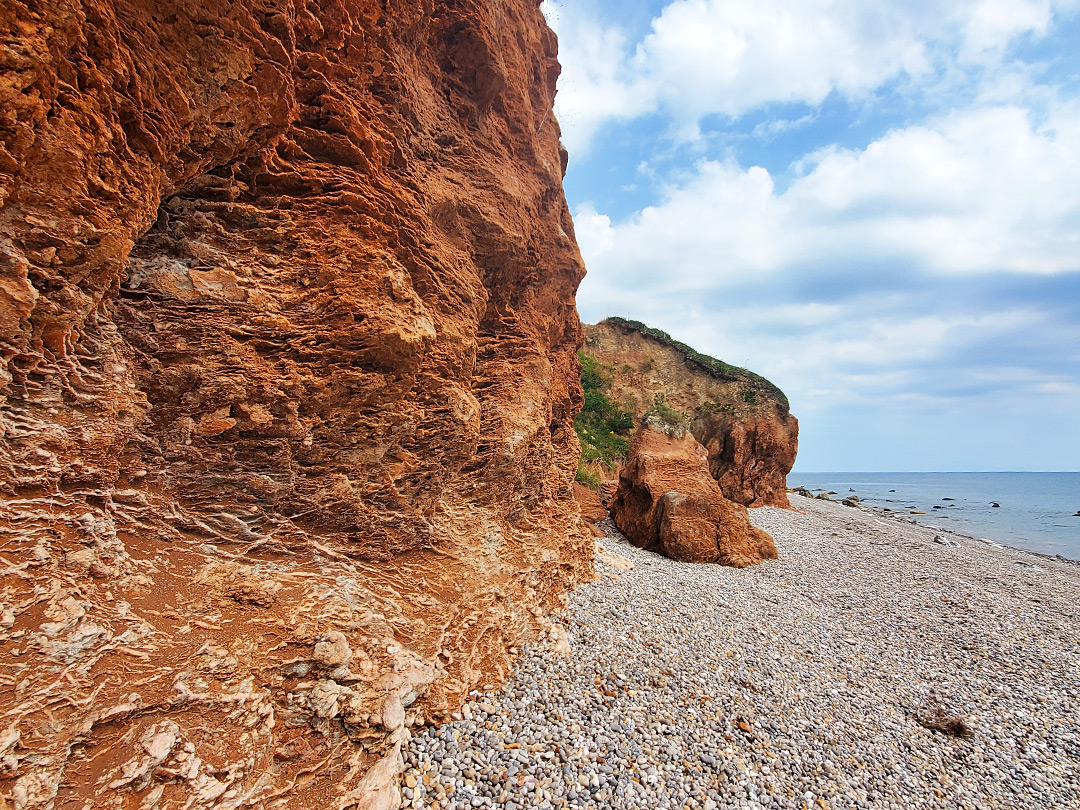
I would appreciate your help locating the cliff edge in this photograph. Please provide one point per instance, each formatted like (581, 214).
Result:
(287, 357)
(742, 419)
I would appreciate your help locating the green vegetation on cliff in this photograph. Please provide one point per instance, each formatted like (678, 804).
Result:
(663, 417)
(712, 366)
(602, 426)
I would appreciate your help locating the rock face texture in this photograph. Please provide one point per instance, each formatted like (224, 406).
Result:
(287, 381)
(592, 508)
(743, 420)
(669, 502)
(751, 456)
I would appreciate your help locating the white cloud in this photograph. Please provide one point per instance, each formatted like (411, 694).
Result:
(595, 235)
(870, 354)
(729, 57)
(916, 291)
(976, 193)
(988, 25)
(713, 57)
(597, 85)
(982, 190)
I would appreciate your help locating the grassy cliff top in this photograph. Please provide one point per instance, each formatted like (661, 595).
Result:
(710, 365)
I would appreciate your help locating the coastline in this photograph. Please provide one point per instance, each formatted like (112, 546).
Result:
(1035, 511)
(899, 518)
(797, 683)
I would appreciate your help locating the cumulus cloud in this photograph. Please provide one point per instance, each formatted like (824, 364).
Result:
(713, 57)
(853, 284)
(728, 57)
(597, 86)
(981, 190)
(919, 284)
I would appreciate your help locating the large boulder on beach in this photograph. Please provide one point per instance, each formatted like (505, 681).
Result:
(669, 502)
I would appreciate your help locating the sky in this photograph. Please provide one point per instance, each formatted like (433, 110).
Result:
(873, 203)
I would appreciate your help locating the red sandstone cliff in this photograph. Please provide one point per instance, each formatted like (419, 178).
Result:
(287, 344)
(742, 420)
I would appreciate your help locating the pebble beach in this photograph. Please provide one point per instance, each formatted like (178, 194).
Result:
(814, 681)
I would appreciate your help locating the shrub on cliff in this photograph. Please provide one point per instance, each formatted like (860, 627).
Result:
(712, 366)
(586, 477)
(602, 426)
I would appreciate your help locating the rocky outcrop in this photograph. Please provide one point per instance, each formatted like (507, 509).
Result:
(742, 419)
(750, 456)
(287, 356)
(668, 502)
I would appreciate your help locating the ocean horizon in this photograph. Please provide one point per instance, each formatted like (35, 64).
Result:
(1036, 510)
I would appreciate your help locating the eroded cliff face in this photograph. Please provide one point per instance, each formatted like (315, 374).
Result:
(742, 420)
(288, 378)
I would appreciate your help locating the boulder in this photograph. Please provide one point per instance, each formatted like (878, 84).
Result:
(669, 502)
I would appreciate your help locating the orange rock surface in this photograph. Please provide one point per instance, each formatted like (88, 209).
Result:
(287, 381)
(668, 502)
(750, 456)
(743, 421)
(592, 507)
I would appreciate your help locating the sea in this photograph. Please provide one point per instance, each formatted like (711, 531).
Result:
(1036, 510)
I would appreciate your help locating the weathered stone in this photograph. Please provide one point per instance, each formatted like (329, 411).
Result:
(334, 651)
(287, 382)
(616, 561)
(751, 456)
(668, 502)
(592, 508)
